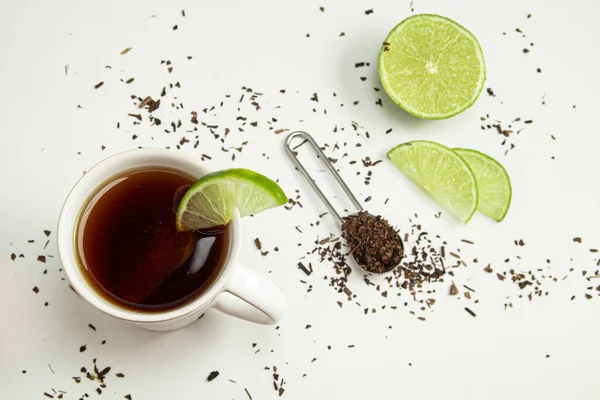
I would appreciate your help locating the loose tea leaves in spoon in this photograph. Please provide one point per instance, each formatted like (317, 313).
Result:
(374, 243)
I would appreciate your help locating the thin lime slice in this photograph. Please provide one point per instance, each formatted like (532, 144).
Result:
(440, 172)
(213, 199)
(493, 183)
(431, 66)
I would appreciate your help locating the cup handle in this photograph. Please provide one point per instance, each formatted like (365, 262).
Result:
(252, 297)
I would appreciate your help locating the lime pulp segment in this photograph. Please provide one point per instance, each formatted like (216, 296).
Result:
(214, 198)
(431, 66)
(440, 172)
(493, 183)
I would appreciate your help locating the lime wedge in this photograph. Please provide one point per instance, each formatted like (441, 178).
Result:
(493, 183)
(440, 172)
(431, 66)
(213, 199)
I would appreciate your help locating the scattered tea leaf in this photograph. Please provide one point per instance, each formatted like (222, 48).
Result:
(212, 376)
(453, 290)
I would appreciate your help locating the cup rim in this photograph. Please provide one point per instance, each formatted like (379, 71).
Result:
(77, 199)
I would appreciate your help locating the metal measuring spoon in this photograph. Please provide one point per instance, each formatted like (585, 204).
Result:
(363, 247)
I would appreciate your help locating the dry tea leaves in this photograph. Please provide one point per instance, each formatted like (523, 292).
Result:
(453, 290)
(374, 243)
(212, 376)
(304, 269)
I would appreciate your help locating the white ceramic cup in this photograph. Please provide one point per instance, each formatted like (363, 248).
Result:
(239, 291)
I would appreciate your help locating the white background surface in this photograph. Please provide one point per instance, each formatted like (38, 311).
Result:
(263, 45)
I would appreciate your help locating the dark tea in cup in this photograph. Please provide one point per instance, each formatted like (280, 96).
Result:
(130, 251)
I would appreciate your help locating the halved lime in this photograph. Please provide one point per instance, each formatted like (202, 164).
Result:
(493, 183)
(440, 172)
(431, 66)
(213, 199)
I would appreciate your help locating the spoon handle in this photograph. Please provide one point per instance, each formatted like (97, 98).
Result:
(291, 152)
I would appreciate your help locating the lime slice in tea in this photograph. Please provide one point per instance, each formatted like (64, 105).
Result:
(440, 172)
(493, 183)
(431, 66)
(213, 199)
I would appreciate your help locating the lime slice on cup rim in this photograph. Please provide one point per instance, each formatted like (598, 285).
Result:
(493, 183)
(431, 66)
(213, 199)
(440, 172)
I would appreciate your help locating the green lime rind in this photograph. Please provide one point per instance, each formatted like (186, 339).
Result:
(493, 183)
(214, 198)
(442, 173)
(432, 67)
